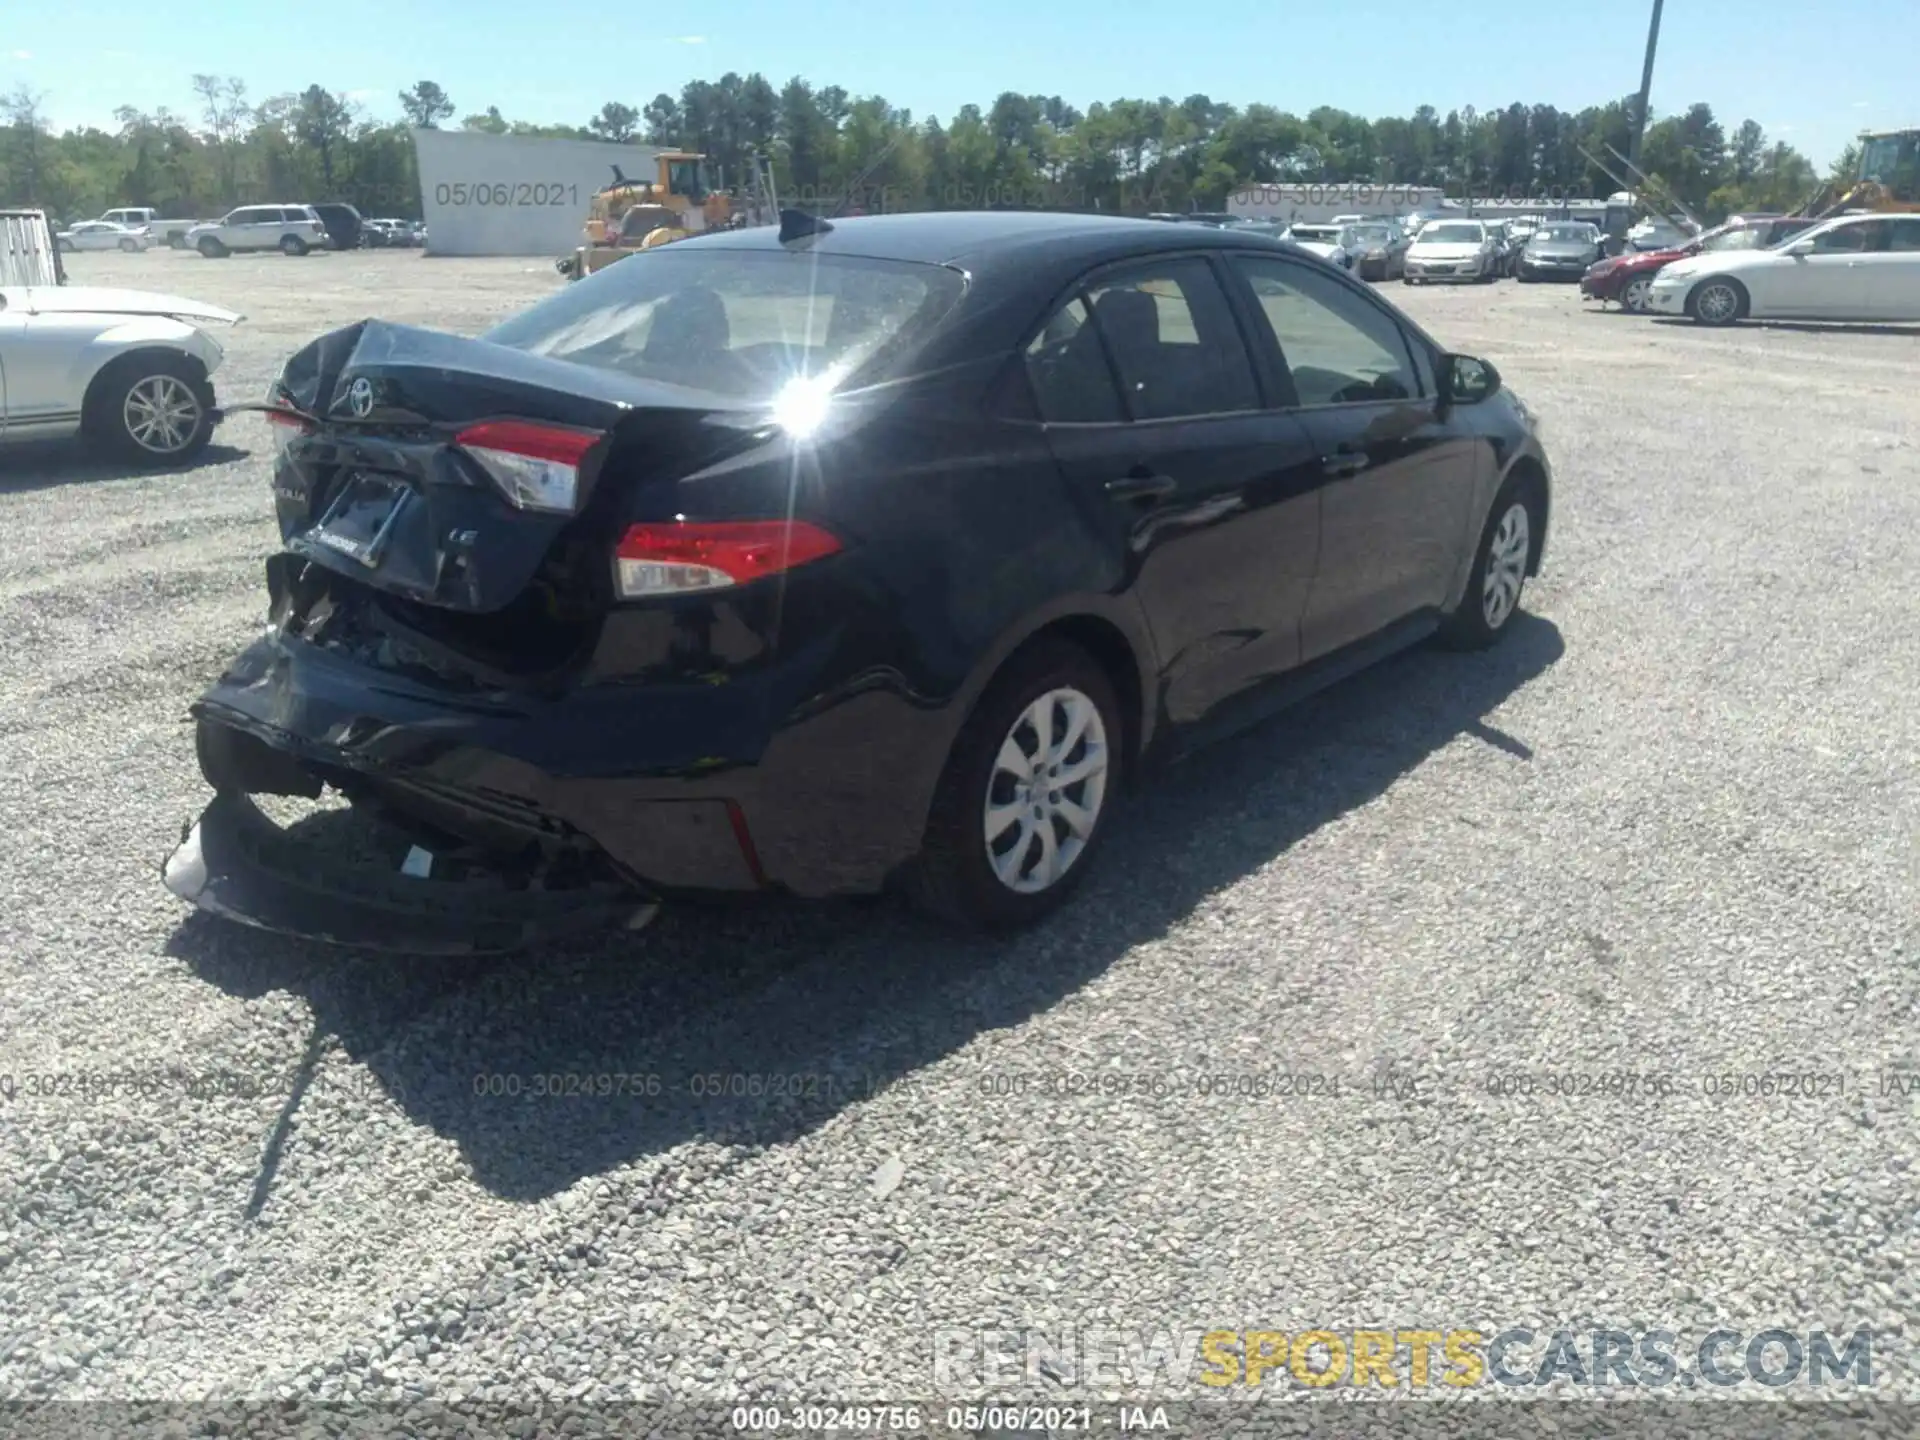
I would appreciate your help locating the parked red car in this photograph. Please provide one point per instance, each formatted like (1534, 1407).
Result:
(1627, 278)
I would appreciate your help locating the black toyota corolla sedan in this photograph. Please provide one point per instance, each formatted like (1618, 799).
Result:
(828, 557)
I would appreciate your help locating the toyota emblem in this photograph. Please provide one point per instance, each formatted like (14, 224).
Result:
(360, 398)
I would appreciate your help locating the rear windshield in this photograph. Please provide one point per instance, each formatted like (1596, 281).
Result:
(1371, 234)
(738, 323)
(1453, 234)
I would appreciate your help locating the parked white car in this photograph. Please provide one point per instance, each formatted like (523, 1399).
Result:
(293, 229)
(102, 235)
(1856, 267)
(1452, 250)
(129, 370)
(1324, 241)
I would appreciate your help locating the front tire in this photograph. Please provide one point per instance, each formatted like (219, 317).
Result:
(1635, 298)
(1023, 802)
(132, 247)
(1717, 302)
(211, 248)
(1499, 577)
(153, 410)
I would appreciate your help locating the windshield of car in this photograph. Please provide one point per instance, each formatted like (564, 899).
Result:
(1371, 235)
(1453, 233)
(1744, 237)
(738, 323)
(1565, 234)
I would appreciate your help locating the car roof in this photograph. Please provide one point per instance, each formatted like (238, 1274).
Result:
(966, 237)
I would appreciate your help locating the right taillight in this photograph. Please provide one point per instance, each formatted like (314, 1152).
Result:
(685, 557)
(287, 428)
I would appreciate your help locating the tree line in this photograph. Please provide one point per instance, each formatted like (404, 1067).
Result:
(1127, 156)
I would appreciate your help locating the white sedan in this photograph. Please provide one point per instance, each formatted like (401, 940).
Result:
(1326, 241)
(129, 370)
(1857, 267)
(103, 235)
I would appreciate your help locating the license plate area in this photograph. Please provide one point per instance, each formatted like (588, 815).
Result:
(362, 516)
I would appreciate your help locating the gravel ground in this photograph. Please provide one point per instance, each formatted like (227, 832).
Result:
(1668, 828)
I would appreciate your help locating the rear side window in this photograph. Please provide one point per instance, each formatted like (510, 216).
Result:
(1339, 349)
(1171, 334)
(742, 324)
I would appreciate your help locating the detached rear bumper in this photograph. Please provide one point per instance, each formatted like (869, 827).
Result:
(236, 863)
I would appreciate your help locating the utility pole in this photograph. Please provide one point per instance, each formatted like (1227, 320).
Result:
(1646, 88)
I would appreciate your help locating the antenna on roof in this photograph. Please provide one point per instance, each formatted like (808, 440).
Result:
(798, 225)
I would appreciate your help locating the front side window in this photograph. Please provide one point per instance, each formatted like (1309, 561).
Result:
(1340, 349)
(1848, 239)
(740, 324)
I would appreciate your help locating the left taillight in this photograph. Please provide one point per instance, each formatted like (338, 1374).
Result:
(687, 557)
(537, 467)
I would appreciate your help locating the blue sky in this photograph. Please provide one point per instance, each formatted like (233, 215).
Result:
(1813, 73)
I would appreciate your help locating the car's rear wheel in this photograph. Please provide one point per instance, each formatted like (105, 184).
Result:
(130, 246)
(1635, 299)
(210, 247)
(153, 409)
(1499, 577)
(65, 247)
(1023, 800)
(293, 245)
(1717, 302)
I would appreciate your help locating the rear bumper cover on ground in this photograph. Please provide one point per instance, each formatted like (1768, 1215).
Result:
(234, 862)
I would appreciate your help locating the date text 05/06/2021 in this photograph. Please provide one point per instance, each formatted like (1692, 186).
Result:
(507, 195)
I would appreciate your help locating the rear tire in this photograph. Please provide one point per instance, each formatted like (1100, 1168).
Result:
(293, 245)
(65, 247)
(1000, 852)
(154, 409)
(1499, 577)
(211, 248)
(132, 247)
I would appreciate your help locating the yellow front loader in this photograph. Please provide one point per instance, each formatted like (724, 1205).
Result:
(631, 215)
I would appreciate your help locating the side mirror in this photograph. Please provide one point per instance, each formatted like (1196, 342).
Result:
(1466, 380)
(1800, 247)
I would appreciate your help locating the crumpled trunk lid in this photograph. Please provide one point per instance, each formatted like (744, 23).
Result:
(376, 486)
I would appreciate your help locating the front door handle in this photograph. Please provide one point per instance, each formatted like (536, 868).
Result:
(1343, 464)
(1140, 484)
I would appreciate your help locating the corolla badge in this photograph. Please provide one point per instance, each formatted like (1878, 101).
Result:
(360, 398)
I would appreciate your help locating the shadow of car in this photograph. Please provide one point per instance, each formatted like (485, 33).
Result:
(759, 1023)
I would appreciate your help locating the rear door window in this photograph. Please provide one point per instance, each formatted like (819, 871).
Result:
(1170, 333)
(1068, 369)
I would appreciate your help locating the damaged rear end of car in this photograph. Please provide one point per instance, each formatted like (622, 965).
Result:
(514, 627)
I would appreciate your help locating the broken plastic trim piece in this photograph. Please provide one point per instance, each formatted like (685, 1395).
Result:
(236, 863)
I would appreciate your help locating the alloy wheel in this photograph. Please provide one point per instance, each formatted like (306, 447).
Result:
(1717, 303)
(1506, 566)
(162, 414)
(1634, 297)
(1046, 790)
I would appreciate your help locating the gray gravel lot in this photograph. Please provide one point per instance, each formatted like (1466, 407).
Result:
(1669, 828)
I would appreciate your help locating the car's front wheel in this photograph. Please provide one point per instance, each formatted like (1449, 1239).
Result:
(210, 247)
(1486, 611)
(1023, 800)
(151, 409)
(1717, 302)
(1636, 298)
(130, 246)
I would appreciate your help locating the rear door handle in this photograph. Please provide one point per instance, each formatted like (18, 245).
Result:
(1342, 464)
(1141, 485)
